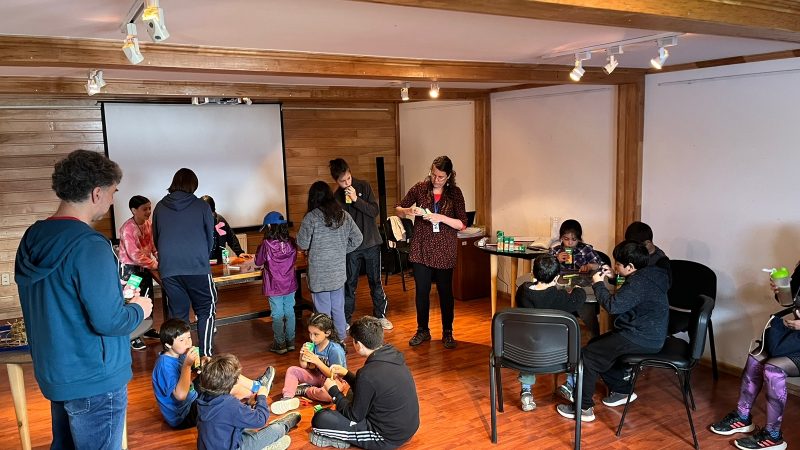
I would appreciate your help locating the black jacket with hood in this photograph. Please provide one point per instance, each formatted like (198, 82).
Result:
(183, 231)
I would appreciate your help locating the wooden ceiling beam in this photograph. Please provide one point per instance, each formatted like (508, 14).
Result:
(121, 89)
(106, 54)
(777, 20)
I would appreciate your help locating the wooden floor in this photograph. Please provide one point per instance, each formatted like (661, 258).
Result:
(453, 388)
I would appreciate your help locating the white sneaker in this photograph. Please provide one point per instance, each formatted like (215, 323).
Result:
(385, 323)
(284, 405)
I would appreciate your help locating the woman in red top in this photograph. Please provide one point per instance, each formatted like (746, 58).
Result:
(438, 216)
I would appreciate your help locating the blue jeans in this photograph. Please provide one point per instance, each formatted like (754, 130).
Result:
(90, 423)
(526, 379)
(332, 304)
(372, 261)
(256, 440)
(282, 307)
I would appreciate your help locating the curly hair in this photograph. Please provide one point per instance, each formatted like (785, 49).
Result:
(220, 374)
(320, 196)
(75, 176)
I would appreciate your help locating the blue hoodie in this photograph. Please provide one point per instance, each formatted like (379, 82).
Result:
(77, 322)
(183, 231)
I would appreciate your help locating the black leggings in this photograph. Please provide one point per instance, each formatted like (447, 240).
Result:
(444, 284)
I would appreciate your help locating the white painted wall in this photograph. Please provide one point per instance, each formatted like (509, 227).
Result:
(720, 176)
(434, 128)
(554, 154)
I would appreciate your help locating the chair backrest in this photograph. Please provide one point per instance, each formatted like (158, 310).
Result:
(545, 339)
(390, 230)
(603, 257)
(690, 280)
(698, 325)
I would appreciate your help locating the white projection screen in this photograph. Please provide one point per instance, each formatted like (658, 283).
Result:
(235, 150)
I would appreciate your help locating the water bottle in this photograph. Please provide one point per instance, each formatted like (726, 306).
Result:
(782, 280)
(226, 260)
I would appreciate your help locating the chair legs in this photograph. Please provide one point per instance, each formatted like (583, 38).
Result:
(714, 371)
(495, 394)
(577, 405)
(402, 269)
(686, 389)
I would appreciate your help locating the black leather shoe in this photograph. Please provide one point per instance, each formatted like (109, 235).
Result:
(419, 337)
(447, 339)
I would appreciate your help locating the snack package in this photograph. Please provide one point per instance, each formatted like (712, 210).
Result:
(131, 284)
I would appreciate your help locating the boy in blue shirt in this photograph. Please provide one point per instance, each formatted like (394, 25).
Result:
(172, 376)
(224, 422)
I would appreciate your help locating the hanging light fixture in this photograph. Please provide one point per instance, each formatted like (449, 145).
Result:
(578, 71)
(663, 53)
(95, 82)
(404, 92)
(612, 59)
(131, 46)
(434, 92)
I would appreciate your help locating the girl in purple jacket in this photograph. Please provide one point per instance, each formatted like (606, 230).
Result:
(277, 255)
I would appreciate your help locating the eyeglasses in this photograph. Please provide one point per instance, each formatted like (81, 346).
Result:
(439, 177)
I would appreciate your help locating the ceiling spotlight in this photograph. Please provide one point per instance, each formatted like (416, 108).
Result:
(663, 53)
(611, 65)
(131, 46)
(153, 17)
(434, 92)
(578, 71)
(612, 59)
(404, 93)
(95, 82)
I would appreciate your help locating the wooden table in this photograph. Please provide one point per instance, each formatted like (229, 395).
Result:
(235, 277)
(526, 258)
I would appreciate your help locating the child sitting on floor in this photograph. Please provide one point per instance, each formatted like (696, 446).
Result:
(314, 365)
(544, 294)
(172, 376)
(224, 422)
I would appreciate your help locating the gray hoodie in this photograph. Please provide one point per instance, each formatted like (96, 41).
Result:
(327, 250)
(183, 231)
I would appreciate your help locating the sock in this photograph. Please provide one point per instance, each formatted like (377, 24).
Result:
(774, 434)
(570, 380)
(526, 388)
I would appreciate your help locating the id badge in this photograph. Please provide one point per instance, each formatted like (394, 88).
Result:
(435, 227)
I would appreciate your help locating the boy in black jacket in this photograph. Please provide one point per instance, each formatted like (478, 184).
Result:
(642, 310)
(384, 413)
(544, 294)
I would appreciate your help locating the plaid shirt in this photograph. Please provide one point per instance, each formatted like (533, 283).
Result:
(582, 254)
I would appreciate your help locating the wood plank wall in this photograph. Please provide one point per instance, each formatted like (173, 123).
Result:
(34, 134)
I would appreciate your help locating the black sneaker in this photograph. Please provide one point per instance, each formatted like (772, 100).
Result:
(419, 337)
(290, 420)
(301, 390)
(138, 344)
(731, 424)
(762, 439)
(447, 339)
(568, 411)
(267, 378)
(278, 348)
(325, 441)
(618, 399)
(152, 334)
(565, 391)
(290, 346)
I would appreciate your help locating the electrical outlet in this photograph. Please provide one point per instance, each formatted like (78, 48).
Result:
(5, 279)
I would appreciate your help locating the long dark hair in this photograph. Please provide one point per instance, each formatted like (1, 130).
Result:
(277, 232)
(444, 164)
(320, 196)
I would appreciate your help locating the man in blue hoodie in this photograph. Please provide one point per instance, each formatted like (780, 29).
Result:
(183, 231)
(77, 322)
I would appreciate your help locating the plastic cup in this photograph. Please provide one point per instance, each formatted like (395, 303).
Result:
(784, 291)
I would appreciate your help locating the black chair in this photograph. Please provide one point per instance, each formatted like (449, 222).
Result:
(400, 247)
(535, 341)
(677, 355)
(603, 257)
(690, 280)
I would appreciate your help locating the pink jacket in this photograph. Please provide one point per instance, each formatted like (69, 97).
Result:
(136, 246)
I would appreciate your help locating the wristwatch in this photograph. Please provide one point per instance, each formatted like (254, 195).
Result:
(256, 387)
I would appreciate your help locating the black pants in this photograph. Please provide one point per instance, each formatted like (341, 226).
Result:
(200, 292)
(444, 284)
(372, 261)
(588, 314)
(600, 358)
(362, 434)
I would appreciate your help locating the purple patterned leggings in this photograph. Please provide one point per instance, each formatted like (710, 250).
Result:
(755, 373)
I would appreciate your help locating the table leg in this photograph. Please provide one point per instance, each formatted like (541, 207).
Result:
(526, 267)
(17, 382)
(512, 284)
(493, 275)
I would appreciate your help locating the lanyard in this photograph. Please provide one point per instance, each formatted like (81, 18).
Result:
(436, 207)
